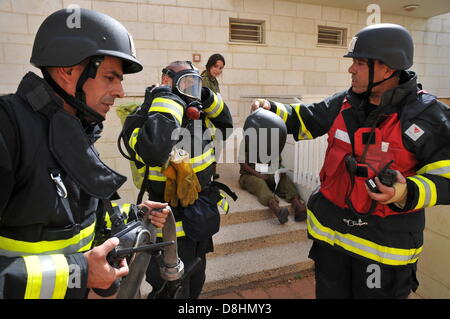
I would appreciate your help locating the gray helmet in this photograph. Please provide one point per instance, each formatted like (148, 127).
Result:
(60, 43)
(390, 43)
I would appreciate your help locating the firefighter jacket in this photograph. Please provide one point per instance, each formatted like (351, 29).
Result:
(160, 123)
(48, 212)
(410, 128)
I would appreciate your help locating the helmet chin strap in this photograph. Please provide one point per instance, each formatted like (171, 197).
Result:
(85, 114)
(371, 85)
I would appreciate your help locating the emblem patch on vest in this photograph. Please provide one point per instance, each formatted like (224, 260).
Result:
(414, 132)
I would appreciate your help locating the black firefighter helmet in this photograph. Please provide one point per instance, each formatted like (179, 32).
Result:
(265, 135)
(389, 43)
(68, 37)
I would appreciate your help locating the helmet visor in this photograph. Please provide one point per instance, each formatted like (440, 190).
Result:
(190, 85)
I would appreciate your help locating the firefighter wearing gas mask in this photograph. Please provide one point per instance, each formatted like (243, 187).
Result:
(386, 161)
(170, 138)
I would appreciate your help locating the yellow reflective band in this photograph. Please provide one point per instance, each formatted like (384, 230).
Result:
(62, 276)
(132, 142)
(47, 276)
(216, 107)
(203, 161)
(204, 165)
(203, 156)
(211, 127)
(440, 168)
(154, 173)
(223, 203)
(179, 230)
(167, 106)
(303, 133)
(11, 247)
(370, 250)
(427, 191)
(281, 111)
(34, 277)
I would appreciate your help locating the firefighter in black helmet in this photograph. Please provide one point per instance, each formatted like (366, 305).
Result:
(55, 189)
(386, 161)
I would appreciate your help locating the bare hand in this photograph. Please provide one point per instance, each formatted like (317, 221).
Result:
(260, 103)
(386, 192)
(157, 217)
(100, 273)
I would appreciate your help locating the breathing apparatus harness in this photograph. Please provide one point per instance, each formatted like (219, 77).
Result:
(386, 175)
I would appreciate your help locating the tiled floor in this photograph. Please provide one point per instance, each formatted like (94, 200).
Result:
(291, 288)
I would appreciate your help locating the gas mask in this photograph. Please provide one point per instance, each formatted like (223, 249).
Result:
(187, 84)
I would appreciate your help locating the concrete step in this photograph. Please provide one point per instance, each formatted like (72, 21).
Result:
(240, 268)
(251, 245)
(255, 235)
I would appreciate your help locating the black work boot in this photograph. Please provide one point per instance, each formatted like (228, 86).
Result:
(299, 209)
(281, 213)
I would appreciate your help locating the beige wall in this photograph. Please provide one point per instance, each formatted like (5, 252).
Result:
(289, 64)
(434, 264)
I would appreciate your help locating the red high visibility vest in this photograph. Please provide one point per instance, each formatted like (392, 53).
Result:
(385, 145)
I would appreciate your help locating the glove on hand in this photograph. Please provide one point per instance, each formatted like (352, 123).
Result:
(188, 185)
(170, 191)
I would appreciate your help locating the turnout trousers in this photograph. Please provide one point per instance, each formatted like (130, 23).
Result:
(341, 276)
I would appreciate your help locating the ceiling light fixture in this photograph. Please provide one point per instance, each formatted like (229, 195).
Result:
(410, 7)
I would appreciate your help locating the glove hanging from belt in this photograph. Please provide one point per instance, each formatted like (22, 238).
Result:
(182, 184)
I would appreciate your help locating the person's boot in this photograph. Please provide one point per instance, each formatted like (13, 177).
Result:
(281, 213)
(299, 209)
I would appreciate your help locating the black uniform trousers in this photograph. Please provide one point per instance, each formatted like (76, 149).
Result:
(341, 276)
(188, 251)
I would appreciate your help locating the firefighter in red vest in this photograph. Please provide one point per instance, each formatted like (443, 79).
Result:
(387, 160)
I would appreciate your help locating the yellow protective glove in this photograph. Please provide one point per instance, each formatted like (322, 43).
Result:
(188, 185)
(170, 190)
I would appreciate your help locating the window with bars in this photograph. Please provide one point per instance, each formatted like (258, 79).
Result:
(246, 31)
(331, 36)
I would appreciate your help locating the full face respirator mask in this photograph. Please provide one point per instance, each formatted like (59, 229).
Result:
(187, 84)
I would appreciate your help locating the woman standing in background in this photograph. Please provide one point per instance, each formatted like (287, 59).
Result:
(214, 67)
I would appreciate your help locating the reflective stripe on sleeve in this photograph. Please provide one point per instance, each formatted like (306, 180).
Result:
(303, 133)
(427, 191)
(281, 111)
(440, 168)
(47, 276)
(216, 106)
(167, 106)
(370, 250)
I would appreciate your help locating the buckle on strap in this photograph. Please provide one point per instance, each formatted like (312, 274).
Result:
(351, 223)
(60, 187)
